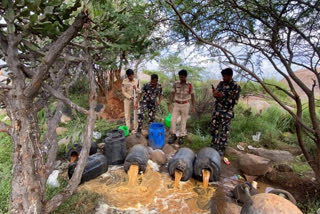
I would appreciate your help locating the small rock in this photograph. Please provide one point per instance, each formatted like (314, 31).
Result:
(169, 149)
(101, 145)
(61, 130)
(132, 140)
(57, 164)
(144, 133)
(232, 152)
(254, 165)
(63, 166)
(64, 141)
(158, 156)
(65, 119)
(250, 178)
(284, 168)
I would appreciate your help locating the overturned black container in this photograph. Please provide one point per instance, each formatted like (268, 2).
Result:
(96, 165)
(115, 147)
(138, 155)
(209, 159)
(75, 149)
(182, 161)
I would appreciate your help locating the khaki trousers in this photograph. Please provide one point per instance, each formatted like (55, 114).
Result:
(183, 110)
(128, 107)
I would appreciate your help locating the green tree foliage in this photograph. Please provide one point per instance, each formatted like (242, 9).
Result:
(245, 33)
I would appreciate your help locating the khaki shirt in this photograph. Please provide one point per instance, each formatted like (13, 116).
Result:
(127, 87)
(182, 91)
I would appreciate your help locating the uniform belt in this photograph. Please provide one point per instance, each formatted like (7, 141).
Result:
(182, 102)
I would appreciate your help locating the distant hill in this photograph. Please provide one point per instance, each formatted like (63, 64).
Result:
(307, 77)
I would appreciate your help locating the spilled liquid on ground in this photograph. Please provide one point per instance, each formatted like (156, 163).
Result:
(73, 158)
(133, 174)
(205, 177)
(177, 177)
(153, 192)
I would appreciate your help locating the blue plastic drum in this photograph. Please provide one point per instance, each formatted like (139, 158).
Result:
(156, 135)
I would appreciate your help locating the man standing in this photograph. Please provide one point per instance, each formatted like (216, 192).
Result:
(227, 95)
(149, 102)
(182, 93)
(129, 85)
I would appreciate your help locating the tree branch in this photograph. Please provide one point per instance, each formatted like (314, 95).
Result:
(53, 53)
(75, 179)
(64, 99)
(5, 128)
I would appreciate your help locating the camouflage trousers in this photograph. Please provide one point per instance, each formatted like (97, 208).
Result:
(220, 125)
(151, 113)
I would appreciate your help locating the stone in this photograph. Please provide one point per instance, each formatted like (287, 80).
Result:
(232, 208)
(65, 119)
(61, 130)
(144, 133)
(64, 141)
(232, 152)
(169, 149)
(250, 178)
(285, 194)
(277, 156)
(101, 145)
(254, 165)
(269, 203)
(132, 140)
(284, 168)
(158, 156)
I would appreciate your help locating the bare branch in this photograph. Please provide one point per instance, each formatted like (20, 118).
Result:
(75, 179)
(64, 99)
(53, 53)
(50, 140)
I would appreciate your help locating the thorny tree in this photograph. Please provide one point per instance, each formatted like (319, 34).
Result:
(240, 32)
(32, 41)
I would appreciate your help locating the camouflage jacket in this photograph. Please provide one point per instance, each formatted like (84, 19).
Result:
(231, 94)
(150, 93)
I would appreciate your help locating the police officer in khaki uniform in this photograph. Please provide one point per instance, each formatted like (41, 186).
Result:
(128, 86)
(182, 93)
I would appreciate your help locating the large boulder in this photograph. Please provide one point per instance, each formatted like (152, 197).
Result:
(265, 203)
(277, 156)
(158, 156)
(254, 165)
(232, 208)
(132, 140)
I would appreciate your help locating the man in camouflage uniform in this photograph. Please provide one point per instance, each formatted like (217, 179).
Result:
(128, 86)
(182, 93)
(227, 95)
(150, 91)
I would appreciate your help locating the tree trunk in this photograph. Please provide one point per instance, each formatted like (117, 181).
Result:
(27, 190)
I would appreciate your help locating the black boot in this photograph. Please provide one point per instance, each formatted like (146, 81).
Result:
(172, 139)
(138, 134)
(180, 140)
